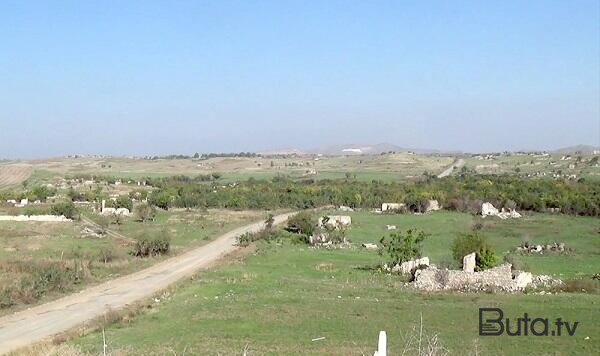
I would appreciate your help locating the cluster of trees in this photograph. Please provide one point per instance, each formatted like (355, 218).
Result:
(40, 192)
(458, 193)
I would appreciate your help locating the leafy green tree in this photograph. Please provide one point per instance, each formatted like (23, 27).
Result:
(485, 256)
(66, 208)
(304, 223)
(123, 201)
(402, 246)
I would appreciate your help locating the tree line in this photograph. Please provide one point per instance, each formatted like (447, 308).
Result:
(465, 193)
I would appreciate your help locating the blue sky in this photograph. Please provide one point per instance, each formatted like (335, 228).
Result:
(146, 77)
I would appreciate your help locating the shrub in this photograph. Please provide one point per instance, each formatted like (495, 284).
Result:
(107, 254)
(36, 210)
(37, 278)
(517, 263)
(465, 244)
(402, 246)
(123, 201)
(269, 222)
(581, 286)
(145, 212)
(269, 236)
(303, 223)
(66, 208)
(152, 244)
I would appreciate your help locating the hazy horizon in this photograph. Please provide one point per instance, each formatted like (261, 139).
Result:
(159, 78)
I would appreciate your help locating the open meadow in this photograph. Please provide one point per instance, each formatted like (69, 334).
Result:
(286, 298)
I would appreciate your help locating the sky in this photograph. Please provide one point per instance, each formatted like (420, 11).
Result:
(160, 77)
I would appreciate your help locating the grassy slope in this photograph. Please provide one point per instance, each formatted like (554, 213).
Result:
(279, 299)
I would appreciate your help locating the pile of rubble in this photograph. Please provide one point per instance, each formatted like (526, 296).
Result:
(531, 248)
(501, 278)
(335, 221)
(487, 209)
(497, 278)
(408, 266)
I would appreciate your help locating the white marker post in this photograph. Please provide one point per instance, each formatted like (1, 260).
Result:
(381, 345)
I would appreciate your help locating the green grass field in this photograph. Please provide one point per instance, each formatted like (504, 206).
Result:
(65, 242)
(277, 300)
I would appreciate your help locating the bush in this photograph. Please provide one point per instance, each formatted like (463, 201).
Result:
(107, 254)
(465, 244)
(516, 262)
(269, 236)
(145, 212)
(302, 223)
(581, 286)
(67, 209)
(123, 201)
(37, 278)
(152, 244)
(402, 246)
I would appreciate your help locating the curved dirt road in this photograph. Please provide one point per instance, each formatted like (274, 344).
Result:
(40, 322)
(456, 164)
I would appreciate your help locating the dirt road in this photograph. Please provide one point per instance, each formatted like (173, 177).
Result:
(43, 321)
(456, 165)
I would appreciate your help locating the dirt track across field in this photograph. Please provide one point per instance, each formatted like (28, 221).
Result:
(41, 322)
(456, 165)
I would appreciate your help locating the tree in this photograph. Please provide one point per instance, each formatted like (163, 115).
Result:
(304, 223)
(67, 209)
(476, 242)
(123, 201)
(402, 246)
(144, 212)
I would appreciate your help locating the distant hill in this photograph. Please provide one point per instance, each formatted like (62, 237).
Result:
(353, 149)
(366, 149)
(585, 149)
(357, 149)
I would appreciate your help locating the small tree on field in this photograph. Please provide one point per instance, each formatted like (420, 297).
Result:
(66, 208)
(485, 256)
(144, 212)
(402, 246)
(304, 223)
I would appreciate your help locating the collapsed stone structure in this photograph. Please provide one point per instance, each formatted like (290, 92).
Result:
(345, 208)
(531, 248)
(370, 246)
(432, 205)
(335, 221)
(497, 278)
(487, 209)
(392, 206)
(323, 239)
(410, 266)
(469, 263)
(113, 211)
